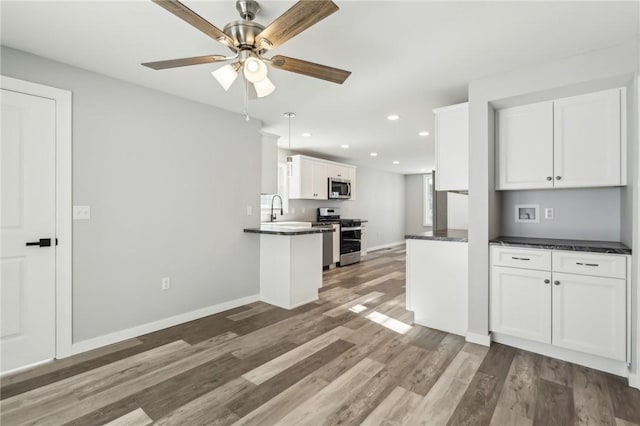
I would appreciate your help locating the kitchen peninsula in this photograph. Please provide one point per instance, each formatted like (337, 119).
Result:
(290, 262)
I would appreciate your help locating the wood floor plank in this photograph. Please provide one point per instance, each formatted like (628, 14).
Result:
(347, 306)
(396, 409)
(591, 398)
(427, 371)
(378, 280)
(135, 418)
(557, 371)
(621, 422)
(207, 408)
(266, 371)
(315, 410)
(255, 310)
(518, 396)
(281, 405)
(554, 404)
(444, 396)
(246, 402)
(625, 400)
(480, 399)
(66, 392)
(358, 405)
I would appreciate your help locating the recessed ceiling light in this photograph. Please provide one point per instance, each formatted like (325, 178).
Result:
(423, 133)
(374, 154)
(396, 162)
(345, 146)
(393, 117)
(306, 134)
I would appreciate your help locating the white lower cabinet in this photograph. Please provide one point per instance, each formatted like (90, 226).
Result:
(589, 314)
(521, 303)
(575, 311)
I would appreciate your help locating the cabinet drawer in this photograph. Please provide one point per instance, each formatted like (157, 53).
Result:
(521, 258)
(600, 265)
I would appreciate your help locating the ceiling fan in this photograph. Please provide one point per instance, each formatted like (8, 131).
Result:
(250, 41)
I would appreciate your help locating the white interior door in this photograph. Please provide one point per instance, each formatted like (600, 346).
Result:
(28, 215)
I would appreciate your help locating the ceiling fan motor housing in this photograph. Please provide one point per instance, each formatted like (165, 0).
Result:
(243, 32)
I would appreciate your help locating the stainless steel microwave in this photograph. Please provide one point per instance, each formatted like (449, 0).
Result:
(339, 189)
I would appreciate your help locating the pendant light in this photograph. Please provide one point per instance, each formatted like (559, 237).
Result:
(289, 115)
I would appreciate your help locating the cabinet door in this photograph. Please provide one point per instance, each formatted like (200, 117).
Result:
(452, 148)
(320, 181)
(337, 171)
(588, 144)
(521, 303)
(589, 314)
(306, 178)
(352, 179)
(525, 147)
(336, 243)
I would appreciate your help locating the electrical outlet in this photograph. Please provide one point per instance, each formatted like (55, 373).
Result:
(293, 210)
(166, 283)
(249, 210)
(304, 209)
(548, 213)
(81, 212)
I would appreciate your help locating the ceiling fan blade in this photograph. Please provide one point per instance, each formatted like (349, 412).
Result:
(298, 18)
(195, 20)
(311, 69)
(174, 63)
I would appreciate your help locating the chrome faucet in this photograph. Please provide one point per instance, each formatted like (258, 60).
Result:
(272, 217)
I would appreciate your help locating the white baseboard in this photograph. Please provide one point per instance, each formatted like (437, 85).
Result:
(385, 246)
(634, 381)
(129, 333)
(619, 368)
(478, 339)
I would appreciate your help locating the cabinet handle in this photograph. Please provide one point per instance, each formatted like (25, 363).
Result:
(558, 177)
(556, 282)
(520, 258)
(587, 264)
(549, 178)
(547, 281)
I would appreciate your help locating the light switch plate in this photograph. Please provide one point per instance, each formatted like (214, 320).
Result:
(249, 210)
(81, 212)
(548, 213)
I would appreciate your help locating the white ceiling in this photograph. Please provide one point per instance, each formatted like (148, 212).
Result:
(406, 58)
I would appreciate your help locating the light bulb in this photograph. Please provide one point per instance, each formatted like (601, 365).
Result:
(254, 69)
(225, 75)
(264, 87)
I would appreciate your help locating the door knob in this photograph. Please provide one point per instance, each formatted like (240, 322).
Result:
(44, 242)
(549, 178)
(547, 281)
(556, 282)
(558, 177)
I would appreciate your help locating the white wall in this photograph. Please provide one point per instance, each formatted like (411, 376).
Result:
(580, 214)
(168, 181)
(414, 204)
(611, 67)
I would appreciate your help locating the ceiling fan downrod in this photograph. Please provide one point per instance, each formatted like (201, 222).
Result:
(248, 9)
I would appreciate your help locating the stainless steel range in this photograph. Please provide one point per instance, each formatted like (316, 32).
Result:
(350, 234)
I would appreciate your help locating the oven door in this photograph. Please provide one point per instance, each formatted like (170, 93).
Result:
(350, 239)
(339, 188)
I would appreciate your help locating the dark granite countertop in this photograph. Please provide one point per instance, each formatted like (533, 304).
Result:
(561, 244)
(288, 230)
(329, 222)
(459, 235)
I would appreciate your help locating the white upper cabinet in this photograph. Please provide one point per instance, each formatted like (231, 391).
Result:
(452, 148)
(525, 146)
(587, 140)
(310, 177)
(575, 142)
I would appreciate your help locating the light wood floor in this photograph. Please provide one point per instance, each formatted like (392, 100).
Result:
(351, 358)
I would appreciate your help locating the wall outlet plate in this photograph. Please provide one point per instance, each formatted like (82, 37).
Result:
(81, 212)
(548, 213)
(165, 283)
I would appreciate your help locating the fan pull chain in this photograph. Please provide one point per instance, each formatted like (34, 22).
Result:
(246, 100)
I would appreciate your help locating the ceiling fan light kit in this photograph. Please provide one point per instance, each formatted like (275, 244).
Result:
(249, 41)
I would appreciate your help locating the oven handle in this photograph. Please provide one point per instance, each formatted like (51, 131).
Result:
(354, 228)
